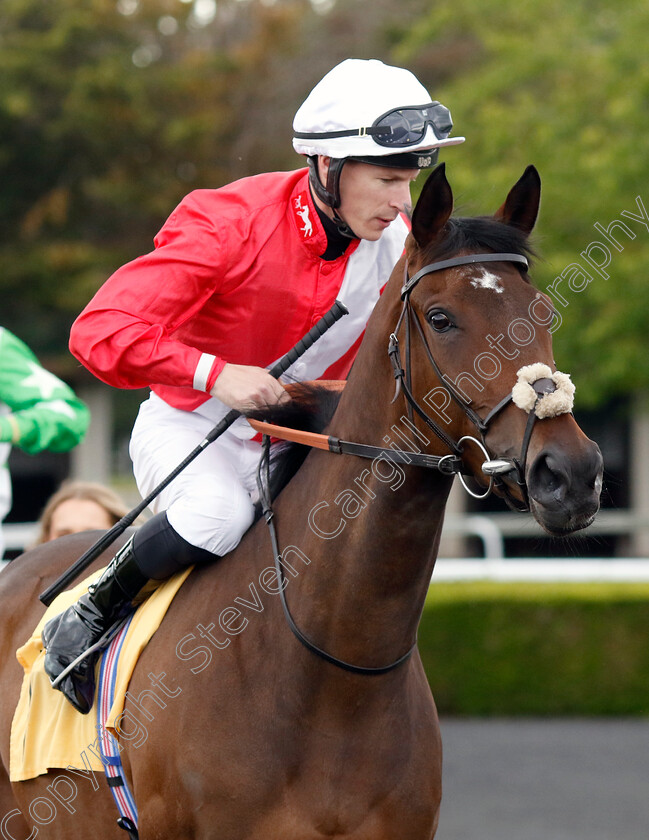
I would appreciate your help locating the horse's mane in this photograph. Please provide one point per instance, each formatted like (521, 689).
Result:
(311, 408)
(478, 233)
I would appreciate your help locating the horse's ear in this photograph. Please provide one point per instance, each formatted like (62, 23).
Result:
(434, 207)
(521, 206)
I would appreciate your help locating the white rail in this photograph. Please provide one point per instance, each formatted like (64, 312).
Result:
(493, 565)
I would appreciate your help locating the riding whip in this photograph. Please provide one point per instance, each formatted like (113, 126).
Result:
(328, 320)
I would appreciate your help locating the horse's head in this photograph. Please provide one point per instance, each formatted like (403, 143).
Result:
(475, 342)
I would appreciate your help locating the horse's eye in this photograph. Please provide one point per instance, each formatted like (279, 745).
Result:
(439, 321)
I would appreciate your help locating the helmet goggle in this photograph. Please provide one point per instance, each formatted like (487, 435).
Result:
(397, 128)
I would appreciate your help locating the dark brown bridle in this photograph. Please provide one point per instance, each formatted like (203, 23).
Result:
(492, 467)
(450, 464)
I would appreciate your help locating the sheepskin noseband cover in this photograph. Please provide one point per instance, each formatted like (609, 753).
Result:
(560, 400)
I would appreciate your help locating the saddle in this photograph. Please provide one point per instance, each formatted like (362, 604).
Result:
(47, 732)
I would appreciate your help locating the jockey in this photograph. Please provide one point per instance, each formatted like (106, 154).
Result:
(38, 412)
(238, 275)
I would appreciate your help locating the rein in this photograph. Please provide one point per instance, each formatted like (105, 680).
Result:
(538, 391)
(328, 443)
(263, 483)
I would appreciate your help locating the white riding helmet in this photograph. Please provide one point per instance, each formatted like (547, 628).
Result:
(373, 112)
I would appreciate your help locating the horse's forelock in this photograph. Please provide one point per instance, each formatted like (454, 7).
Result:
(477, 233)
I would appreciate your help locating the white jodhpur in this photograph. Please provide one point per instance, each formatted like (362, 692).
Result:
(211, 503)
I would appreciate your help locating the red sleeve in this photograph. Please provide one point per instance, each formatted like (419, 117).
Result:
(125, 334)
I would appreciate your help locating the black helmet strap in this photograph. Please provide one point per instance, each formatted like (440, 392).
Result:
(330, 195)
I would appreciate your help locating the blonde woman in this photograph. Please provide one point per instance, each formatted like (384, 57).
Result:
(79, 506)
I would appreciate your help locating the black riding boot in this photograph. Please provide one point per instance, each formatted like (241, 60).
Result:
(155, 551)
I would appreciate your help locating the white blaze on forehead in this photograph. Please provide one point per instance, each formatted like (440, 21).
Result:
(486, 280)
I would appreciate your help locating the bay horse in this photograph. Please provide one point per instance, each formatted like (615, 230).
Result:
(247, 734)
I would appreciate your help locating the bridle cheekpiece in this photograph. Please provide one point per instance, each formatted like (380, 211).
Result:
(538, 391)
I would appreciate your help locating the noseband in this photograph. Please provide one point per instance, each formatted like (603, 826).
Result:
(535, 384)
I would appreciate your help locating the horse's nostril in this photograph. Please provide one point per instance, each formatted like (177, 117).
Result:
(553, 479)
(596, 483)
(596, 469)
(548, 482)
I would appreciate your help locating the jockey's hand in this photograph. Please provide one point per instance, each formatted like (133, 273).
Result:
(245, 388)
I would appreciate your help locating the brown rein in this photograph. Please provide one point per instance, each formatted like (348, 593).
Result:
(446, 464)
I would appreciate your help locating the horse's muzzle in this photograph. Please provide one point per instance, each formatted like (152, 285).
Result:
(564, 488)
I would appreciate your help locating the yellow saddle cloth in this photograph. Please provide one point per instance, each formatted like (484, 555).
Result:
(47, 731)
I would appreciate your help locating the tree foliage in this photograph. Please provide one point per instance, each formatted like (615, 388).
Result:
(110, 113)
(93, 147)
(566, 87)
(111, 110)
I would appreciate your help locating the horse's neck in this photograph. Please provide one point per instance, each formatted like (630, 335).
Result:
(369, 529)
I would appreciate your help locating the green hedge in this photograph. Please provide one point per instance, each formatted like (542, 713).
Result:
(537, 649)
